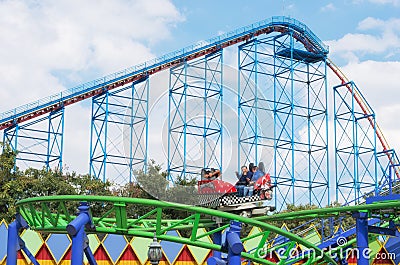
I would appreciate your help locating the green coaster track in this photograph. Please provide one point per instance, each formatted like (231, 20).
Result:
(54, 213)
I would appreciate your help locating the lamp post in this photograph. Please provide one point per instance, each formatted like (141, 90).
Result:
(154, 254)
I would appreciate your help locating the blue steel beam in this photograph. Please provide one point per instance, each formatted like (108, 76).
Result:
(39, 141)
(283, 114)
(356, 160)
(122, 111)
(195, 116)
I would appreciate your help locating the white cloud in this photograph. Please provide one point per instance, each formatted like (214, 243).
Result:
(80, 40)
(384, 40)
(370, 23)
(384, 2)
(392, 24)
(48, 46)
(378, 82)
(328, 7)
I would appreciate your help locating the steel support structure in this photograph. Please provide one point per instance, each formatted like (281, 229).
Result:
(362, 237)
(388, 166)
(195, 116)
(119, 132)
(15, 242)
(355, 146)
(39, 142)
(80, 243)
(283, 117)
(234, 244)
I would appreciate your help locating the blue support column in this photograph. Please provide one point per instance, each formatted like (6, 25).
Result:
(217, 239)
(362, 237)
(216, 259)
(76, 229)
(356, 159)
(29, 254)
(195, 116)
(119, 132)
(15, 243)
(88, 252)
(38, 142)
(235, 246)
(232, 244)
(282, 117)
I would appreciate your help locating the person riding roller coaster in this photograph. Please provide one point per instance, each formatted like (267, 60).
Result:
(208, 177)
(249, 183)
(262, 182)
(210, 173)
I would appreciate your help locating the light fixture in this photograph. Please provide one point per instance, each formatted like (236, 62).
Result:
(154, 254)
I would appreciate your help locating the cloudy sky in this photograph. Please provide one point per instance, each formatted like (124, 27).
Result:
(49, 46)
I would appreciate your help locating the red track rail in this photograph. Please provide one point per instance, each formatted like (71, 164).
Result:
(365, 109)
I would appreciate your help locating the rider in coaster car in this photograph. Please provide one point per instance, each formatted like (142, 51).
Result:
(242, 182)
(210, 174)
(249, 188)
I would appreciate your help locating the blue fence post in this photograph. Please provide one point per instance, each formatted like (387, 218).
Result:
(88, 252)
(15, 243)
(235, 246)
(362, 237)
(76, 229)
(216, 259)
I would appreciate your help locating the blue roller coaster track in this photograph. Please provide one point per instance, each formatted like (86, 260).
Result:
(111, 81)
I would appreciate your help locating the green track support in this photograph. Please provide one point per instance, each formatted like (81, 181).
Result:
(50, 214)
(53, 213)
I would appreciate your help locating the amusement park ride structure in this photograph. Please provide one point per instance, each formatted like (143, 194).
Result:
(282, 74)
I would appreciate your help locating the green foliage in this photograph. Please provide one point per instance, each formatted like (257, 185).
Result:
(154, 182)
(16, 185)
(7, 162)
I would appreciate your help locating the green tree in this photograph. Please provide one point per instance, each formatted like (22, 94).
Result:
(7, 163)
(41, 182)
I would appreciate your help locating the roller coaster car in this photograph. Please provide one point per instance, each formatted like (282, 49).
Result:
(223, 196)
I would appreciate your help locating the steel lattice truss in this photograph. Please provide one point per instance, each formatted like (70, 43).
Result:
(119, 133)
(195, 116)
(39, 142)
(283, 115)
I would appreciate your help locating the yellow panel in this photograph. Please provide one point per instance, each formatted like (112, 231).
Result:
(22, 262)
(185, 263)
(65, 262)
(46, 262)
(129, 262)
